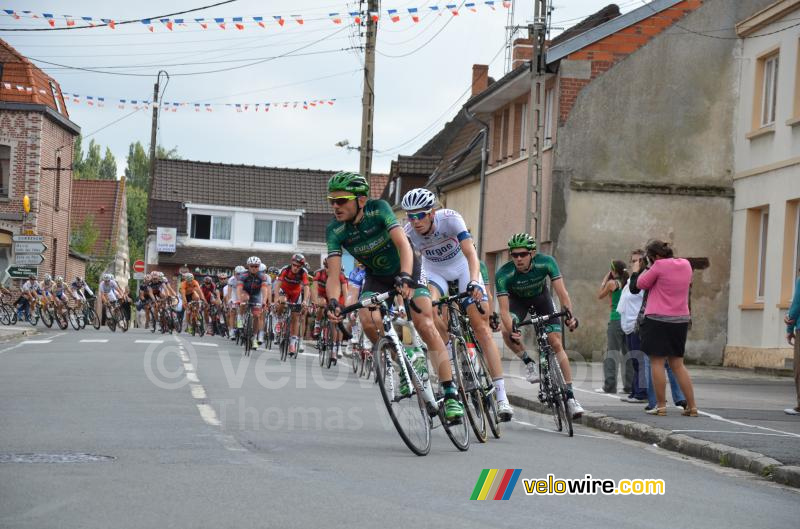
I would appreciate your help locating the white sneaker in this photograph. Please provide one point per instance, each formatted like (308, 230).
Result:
(255, 343)
(504, 411)
(792, 411)
(260, 336)
(575, 408)
(533, 372)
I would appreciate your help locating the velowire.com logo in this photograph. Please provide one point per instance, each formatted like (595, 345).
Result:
(496, 484)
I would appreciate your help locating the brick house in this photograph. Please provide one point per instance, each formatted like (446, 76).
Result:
(105, 202)
(36, 141)
(225, 213)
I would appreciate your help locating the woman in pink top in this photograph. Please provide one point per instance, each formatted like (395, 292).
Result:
(666, 319)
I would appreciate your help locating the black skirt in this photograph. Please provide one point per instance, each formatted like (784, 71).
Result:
(660, 338)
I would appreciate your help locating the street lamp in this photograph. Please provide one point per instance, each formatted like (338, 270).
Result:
(346, 144)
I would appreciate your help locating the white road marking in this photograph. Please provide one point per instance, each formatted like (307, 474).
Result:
(204, 344)
(198, 391)
(737, 423)
(94, 341)
(10, 348)
(192, 377)
(553, 431)
(735, 433)
(33, 342)
(208, 414)
(149, 341)
(189, 368)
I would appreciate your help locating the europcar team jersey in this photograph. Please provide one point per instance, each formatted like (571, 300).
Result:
(369, 240)
(441, 247)
(526, 284)
(252, 283)
(484, 273)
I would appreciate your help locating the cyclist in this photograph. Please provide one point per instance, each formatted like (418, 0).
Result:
(293, 282)
(45, 291)
(319, 297)
(449, 257)
(59, 293)
(232, 300)
(211, 297)
(369, 231)
(253, 287)
(521, 284)
(80, 290)
(30, 290)
(110, 292)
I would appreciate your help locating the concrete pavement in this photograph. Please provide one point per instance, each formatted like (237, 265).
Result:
(200, 437)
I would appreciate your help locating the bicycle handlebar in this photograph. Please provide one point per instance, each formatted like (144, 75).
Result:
(451, 299)
(541, 320)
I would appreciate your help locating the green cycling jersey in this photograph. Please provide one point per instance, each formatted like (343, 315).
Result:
(484, 273)
(369, 240)
(510, 281)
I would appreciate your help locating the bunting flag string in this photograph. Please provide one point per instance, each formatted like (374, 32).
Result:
(173, 106)
(241, 23)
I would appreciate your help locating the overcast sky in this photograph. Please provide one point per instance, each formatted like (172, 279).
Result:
(415, 94)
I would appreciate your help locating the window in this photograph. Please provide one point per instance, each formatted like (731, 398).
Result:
(791, 252)
(548, 119)
(55, 96)
(58, 183)
(274, 231)
(504, 137)
(5, 170)
(762, 254)
(211, 227)
(523, 127)
(770, 91)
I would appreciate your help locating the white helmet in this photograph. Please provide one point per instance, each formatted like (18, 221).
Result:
(48, 277)
(253, 261)
(59, 279)
(188, 276)
(419, 198)
(262, 268)
(239, 269)
(107, 277)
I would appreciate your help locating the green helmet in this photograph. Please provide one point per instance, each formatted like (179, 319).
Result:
(350, 182)
(522, 240)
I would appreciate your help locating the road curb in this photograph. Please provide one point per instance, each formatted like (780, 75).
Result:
(8, 334)
(723, 455)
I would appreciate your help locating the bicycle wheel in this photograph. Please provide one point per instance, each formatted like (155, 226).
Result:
(201, 324)
(471, 393)
(283, 339)
(356, 360)
(407, 412)
(269, 337)
(46, 316)
(560, 394)
(74, 321)
(93, 318)
(489, 395)
(457, 431)
(247, 333)
(177, 323)
(110, 321)
(61, 319)
(5, 317)
(122, 323)
(321, 344)
(329, 344)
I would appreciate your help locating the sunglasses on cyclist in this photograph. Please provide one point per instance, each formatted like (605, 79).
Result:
(341, 201)
(519, 255)
(418, 216)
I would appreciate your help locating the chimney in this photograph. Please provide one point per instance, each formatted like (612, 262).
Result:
(480, 78)
(521, 52)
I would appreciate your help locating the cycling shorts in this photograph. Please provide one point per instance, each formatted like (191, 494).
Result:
(379, 284)
(541, 304)
(459, 278)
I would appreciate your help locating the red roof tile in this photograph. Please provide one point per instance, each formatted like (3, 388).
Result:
(103, 200)
(19, 71)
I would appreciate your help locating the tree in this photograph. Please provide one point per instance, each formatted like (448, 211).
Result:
(138, 171)
(107, 169)
(137, 221)
(84, 237)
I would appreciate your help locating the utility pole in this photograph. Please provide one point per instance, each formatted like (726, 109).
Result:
(368, 97)
(153, 138)
(537, 32)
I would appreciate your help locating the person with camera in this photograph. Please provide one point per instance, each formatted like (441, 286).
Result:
(617, 350)
(665, 325)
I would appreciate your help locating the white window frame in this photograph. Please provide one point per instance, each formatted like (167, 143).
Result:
(761, 276)
(769, 91)
(275, 219)
(211, 214)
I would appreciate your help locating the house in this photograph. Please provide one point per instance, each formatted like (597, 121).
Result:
(765, 246)
(103, 203)
(209, 217)
(36, 140)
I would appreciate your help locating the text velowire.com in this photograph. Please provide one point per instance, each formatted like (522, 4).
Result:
(589, 486)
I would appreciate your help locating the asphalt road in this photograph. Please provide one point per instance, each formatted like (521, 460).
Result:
(262, 444)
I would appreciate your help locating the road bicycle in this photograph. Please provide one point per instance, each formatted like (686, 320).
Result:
(552, 388)
(326, 342)
(478, 391)
(411, 411)
(284, 335)
(194, 318)
(246, 331)
(115, 317)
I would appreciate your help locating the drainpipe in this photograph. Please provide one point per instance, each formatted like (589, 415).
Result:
(484, 154)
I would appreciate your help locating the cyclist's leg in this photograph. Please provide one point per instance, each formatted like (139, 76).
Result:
(437, 286)
(483, 334)
(518, 308)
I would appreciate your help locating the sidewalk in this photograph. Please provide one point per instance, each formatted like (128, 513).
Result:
(741, 422)
(11, 332)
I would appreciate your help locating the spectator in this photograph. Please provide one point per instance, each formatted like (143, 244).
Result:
(617, 350)
(792, 321)
(628, 308)
(665, 325)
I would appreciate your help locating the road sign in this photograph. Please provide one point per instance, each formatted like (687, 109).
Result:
(138, 275)
(28, 259)
(138, 266)
(21, 272)
(27, 238)
(29, 247)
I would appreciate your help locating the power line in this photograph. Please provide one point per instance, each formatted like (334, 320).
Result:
(425, 43)
(254, 63)
(64, 28)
